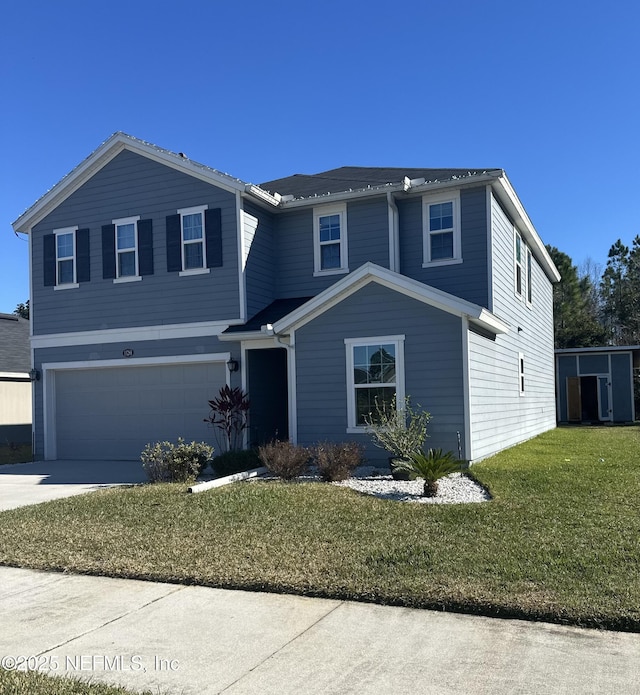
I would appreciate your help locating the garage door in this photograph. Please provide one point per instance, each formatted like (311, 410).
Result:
(112, 413)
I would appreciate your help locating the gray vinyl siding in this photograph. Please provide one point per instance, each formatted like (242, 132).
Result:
(469, 279)
(367, 238)
(259, 269)
(134, 185)
(500, 415)
(433, 365)
(113, 351)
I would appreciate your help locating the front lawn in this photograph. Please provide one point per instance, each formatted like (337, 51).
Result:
(36, 683)
(558, 542)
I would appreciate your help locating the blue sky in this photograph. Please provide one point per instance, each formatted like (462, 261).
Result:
(547, 91)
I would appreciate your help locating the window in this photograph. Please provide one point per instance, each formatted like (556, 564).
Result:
(441, 221)
(529, 278)
(375, 372)
(330, 240)
(519, 264)
(193, 239)
(126, 240)
(521, 372)
(65, 257)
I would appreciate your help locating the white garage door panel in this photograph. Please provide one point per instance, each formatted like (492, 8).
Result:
(113, 413)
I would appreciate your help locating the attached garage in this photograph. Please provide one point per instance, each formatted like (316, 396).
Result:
(114, 410)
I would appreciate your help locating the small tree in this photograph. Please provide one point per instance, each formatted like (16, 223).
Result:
(229, 415)
(401, 432)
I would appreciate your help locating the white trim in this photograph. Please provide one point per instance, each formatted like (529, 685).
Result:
(194, 271)
(466, 390)
(14, 375)
(292, 385)
(370, 272)
(194, 210)
(452, 197)
(138, 333)
(49, 370)
(489, 215)
(123, 221)
(105, 153)
(519, 264)
(327, 211)
(528, 271)
(394, 238)
(399, 385)
(242, 277)
(127, 278)
(67, 286)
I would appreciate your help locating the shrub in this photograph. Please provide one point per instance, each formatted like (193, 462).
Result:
(284, 459)
(164, 461)
(400, 432)
(229, 415)
(432, 466)
(235, 462)
(337, 461)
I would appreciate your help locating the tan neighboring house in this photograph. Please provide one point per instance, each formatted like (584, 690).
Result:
(15, 381)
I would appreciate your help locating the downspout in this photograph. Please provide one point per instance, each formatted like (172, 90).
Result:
(394, 236)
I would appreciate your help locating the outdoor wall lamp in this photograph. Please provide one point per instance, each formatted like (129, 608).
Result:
(233, 365)
(34, 374)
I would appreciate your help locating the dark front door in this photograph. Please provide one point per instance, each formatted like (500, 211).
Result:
(268, 393)
(589, 397)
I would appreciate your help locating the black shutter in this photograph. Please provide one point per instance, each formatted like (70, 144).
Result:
(145, 247)
(213, 232)
(174, 252)
(83, 271)
(108, 251)
(49, 258)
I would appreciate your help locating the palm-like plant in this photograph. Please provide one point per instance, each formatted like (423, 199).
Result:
(431, 466)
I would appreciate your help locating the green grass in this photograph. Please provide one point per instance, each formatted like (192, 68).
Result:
(20, 453)
(559, 541)
(36, 683)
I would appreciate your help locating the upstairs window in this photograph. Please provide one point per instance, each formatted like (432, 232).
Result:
(523, 269)
(193, 239)
(330, 240)
(126, 240)
(441, 221)
(65, 256)
(529, 278)
(519, 265)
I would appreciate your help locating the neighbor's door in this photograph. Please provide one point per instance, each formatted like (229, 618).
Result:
(574, 405)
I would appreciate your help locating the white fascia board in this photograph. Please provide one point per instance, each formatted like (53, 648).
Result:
(138, 362)
(14, 375)
(262, 195)
(508, 197)
(100, 158)
(460, 182)
(344, 195)
(138, 333)
(249, 335)
(370, 272)
(605, 349)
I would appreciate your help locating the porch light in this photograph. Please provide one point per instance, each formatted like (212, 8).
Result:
(34, 374)
(233, 365)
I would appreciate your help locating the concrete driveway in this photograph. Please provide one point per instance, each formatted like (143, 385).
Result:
(31, 483)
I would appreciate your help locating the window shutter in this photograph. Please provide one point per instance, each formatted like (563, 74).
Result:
(83, 270)
(213, 231)
(145, 247)
(49, 258)
(108, 251)
(174, 252)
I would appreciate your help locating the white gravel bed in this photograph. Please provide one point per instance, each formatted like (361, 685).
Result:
(456, 488)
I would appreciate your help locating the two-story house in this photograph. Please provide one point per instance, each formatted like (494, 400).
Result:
(155, 280)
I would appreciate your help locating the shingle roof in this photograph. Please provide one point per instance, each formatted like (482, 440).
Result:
(15, 351)
(357, 178)
(270, 314)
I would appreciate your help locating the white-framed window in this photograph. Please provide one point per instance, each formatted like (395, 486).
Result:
(519, 251)
(66, 270)
(126, 244)
(193, 240)
(375, 373)
(521, 383)
(442, 243)
(529, 276)
(330, 240)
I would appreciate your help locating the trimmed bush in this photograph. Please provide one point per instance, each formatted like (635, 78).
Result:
(175, 463)
(235, 462)
(284, 459)
(337, 461)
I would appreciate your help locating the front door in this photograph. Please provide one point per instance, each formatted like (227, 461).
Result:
(267, 386)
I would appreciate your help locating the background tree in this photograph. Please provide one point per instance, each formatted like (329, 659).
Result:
(22, 310)
(575, 306)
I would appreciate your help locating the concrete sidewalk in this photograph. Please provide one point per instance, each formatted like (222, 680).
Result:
(195, 641)
(22, 484)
